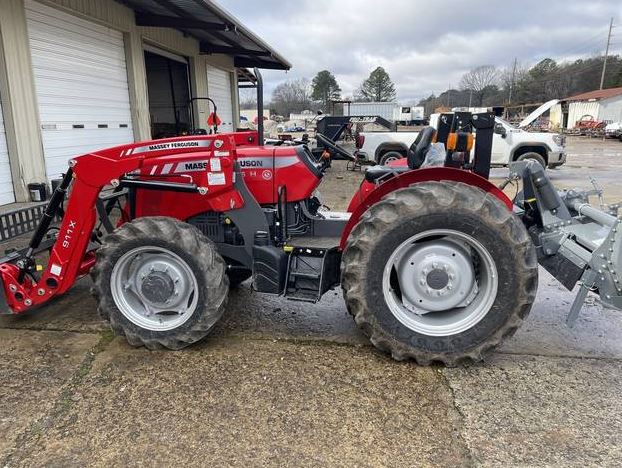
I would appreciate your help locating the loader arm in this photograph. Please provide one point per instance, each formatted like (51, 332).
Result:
(73, 253)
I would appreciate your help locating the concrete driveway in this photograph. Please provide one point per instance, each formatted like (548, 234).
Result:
(290, 384)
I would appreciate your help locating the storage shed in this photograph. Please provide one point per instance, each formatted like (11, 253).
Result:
(602, 104)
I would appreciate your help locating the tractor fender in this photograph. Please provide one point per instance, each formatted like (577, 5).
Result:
(370, 194)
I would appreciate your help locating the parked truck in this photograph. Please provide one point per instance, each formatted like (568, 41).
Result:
(510, 144)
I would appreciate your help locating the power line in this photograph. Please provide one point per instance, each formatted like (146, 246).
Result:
(587, 43)
(582, 46)
(581, 69)
(511, 82)
(602, 77)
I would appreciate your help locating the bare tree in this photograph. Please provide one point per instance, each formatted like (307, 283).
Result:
(534, 84)
(291, 96)
(248, 99)
(479, 81)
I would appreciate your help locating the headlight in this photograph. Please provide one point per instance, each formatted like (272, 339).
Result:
(559, 140)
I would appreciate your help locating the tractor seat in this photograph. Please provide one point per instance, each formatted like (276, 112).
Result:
(376, 173)
(416, 157)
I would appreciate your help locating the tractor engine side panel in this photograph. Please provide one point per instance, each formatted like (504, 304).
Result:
(264, 169)
(267, 168)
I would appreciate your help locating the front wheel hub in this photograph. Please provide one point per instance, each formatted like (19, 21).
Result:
(154, 288)
(158, 287)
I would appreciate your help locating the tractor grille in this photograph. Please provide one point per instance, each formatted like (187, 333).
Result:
(210, 224)
(21, 221)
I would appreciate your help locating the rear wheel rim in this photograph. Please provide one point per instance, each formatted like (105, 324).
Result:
(154, 288)
(440, 282)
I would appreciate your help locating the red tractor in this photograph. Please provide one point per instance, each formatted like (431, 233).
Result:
(435, 263)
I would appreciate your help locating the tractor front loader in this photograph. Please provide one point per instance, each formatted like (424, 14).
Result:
(436, 263)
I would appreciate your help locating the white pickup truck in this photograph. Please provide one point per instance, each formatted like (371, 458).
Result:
(509, 144)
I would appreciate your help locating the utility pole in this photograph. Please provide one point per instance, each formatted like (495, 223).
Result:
(602, 77)
(512, 81)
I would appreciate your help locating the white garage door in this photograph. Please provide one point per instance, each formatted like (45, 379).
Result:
(6, 182)
(81, 85)
(219, 89)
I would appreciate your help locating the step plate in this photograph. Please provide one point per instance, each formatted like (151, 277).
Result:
(311, 272)
(315, 242)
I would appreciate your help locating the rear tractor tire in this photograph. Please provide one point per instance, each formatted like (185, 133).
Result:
(439, 272)
(160, 283)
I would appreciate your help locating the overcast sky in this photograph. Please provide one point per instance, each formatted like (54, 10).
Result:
(425, 46)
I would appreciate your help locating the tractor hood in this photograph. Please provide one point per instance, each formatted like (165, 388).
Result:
(537, 113)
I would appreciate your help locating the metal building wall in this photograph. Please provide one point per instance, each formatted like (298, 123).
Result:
(115, 15)
(225, 62)
(611, 109)
(578, 109)
(81, 83)
(20, 107)
(23, 130)
(556, 118)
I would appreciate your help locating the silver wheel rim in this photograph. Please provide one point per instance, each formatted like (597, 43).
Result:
(392, 158)
(440, 282)
(154, 288)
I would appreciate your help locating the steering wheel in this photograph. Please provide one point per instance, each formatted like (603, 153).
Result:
(418, 150)
(330, 144)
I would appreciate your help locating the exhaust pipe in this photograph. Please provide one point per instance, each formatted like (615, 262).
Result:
(259, 105)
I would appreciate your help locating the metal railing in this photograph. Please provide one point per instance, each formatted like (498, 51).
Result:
(21, 221)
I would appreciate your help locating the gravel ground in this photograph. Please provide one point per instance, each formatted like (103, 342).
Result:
(281, 383)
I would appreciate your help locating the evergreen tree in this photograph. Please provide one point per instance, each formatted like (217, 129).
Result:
(324, 88)
(377, 88)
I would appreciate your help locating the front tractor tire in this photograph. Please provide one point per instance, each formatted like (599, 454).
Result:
(160, 283)
(439, 272)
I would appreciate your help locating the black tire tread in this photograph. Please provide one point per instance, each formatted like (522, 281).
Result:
(190, 240)
(431, 196)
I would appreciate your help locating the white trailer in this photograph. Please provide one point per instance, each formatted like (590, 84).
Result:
(409, 115)
(382, 109)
